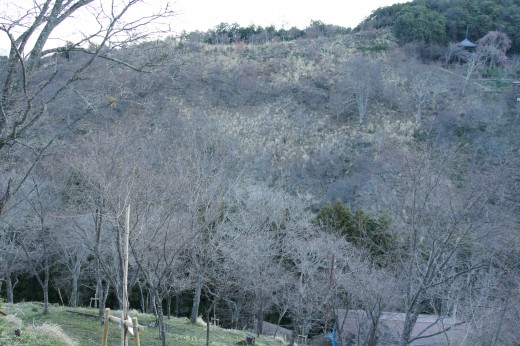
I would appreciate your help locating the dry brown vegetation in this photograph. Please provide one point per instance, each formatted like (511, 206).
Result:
(226, 153)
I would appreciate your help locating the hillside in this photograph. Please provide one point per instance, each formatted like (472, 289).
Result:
(283, 181)
(291, 106)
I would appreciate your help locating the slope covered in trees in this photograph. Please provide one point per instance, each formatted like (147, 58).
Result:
(435, 21)
(284, 181)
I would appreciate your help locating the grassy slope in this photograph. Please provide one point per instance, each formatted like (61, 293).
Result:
(87, 331)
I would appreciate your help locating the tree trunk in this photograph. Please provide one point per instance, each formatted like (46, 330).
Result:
(46, 291)
(9, 288)
(208, 312)
(234, 314)
(99, 293)
(409, 323)
(102, 297)
(372, 334)
(169, 306)
(150, 302)
(293, 337)
(279, 321)
(159, 317)
(177, 302)
(259, 322)
(105, 294)
(207, 326)
(196, 300)
(102, 290)
(143, 302)
(74, 293)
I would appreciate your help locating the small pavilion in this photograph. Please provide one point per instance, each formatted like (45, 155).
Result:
(467, 45)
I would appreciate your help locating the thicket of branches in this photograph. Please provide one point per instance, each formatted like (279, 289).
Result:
(248, 171)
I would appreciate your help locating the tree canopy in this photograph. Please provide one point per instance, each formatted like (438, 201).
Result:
(418, 23)
(421, 20)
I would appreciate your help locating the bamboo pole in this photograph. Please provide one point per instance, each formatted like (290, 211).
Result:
(105, 327)
(136, 332)
(124, 313)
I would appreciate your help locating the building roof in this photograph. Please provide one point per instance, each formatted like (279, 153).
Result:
(467, 43)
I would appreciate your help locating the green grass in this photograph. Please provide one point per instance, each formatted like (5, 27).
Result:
(43, 330)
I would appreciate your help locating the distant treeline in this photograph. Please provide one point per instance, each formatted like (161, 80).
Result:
(436, 21)
(428, 21)
(225, 33)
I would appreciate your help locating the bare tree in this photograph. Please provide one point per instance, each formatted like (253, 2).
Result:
(366, 288)
(452, 52)
(104, 176)
(420, 80)
(10, 255)
(39, 71)
(493, 47)
(38, 243)
(255, 225)
(223, 280)
(474, 62)
(311, 297)
(443, 212)
(365, 80)
(160, 243)
(36, 72)
(208, 171)
(73, 255)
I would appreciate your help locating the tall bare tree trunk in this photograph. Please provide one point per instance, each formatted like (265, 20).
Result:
(159, 315)
(177, 302)
(196, 300)
(9, 288)
(410, 319)
(46, 291)
(74, 293)
(260, 321)
(169, 306)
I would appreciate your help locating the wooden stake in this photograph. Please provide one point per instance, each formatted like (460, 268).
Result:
(105, 327)
(136, 332)
(124, 313)
(127, 323)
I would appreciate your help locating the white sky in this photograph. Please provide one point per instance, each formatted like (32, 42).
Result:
(202, 15)
(206, 14)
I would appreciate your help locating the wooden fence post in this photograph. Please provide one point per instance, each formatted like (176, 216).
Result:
(105, 327)
(136, 332)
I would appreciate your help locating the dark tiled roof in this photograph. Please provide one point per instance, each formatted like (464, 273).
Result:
(466, 43)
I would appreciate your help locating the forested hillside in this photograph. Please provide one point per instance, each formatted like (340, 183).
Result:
(280, 181)
(446, 21)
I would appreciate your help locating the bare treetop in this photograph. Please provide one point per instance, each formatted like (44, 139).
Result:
(36, 72)
(38, 28)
